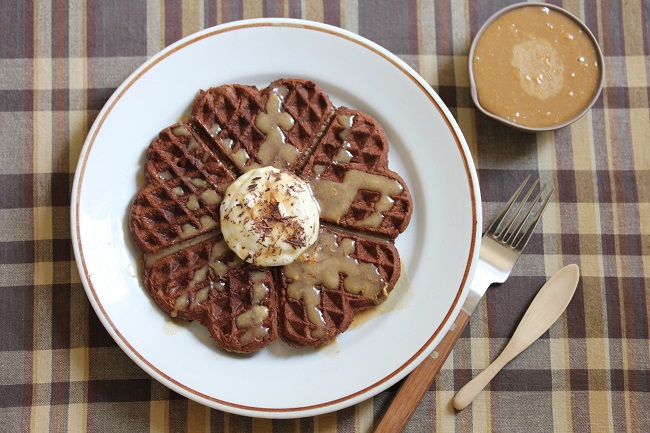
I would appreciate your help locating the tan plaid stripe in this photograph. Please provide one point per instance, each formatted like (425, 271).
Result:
(61, 60)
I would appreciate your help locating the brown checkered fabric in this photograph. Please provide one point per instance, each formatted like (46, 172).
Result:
(60, 370)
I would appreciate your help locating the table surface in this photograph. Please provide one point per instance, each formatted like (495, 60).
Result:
(60, 370)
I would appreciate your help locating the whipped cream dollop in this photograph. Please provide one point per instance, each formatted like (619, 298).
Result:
(269, 217)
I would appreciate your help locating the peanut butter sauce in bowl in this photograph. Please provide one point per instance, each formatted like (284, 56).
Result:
(536, 67)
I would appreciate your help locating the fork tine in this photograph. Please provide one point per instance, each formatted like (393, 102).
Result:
(499, 218)
(504, 232)
(513, 235)
(525, 237)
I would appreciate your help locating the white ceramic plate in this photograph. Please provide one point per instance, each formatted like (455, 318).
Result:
(439, 248)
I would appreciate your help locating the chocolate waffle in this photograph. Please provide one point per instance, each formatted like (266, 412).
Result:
(275, 126)
(291, 124)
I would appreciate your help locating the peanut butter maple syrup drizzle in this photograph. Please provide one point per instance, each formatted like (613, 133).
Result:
(240, 158)
(344, 155)
(181, 131)
(220, 269)
(199, 183)
(214, 130)
(318, 170)
(275, 150)
(336, 198)
(193, 203)
(183, 301)
(260, 290)
(321, 266)
(201, 296)
(209, 196)
(193, 145)
(206, 222)
(165, 175)
(253, 318)
(199, 276)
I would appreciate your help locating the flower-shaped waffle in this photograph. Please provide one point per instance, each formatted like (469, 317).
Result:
(341, 153)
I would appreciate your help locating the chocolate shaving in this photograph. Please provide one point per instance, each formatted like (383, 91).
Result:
(275, 213)
(263, 228)
(295, 242)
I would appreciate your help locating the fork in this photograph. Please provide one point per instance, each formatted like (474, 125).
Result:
(501, 246)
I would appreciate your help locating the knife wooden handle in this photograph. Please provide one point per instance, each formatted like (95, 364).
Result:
(417, 383)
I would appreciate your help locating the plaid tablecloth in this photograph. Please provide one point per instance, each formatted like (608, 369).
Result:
(61, 371)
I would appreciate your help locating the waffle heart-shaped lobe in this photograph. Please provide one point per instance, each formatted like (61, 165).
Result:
(292, 125)
(274, 126)
(339, 276)
(204, 280)
(348, 173)
(184, 186)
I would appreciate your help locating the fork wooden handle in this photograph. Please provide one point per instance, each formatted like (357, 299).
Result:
(417, 383)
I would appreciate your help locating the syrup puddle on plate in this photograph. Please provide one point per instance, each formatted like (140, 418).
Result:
(130, 270)
(331, 349)
(398, 299)
(174, 326)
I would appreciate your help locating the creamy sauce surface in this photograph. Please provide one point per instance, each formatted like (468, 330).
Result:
(536, 67)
